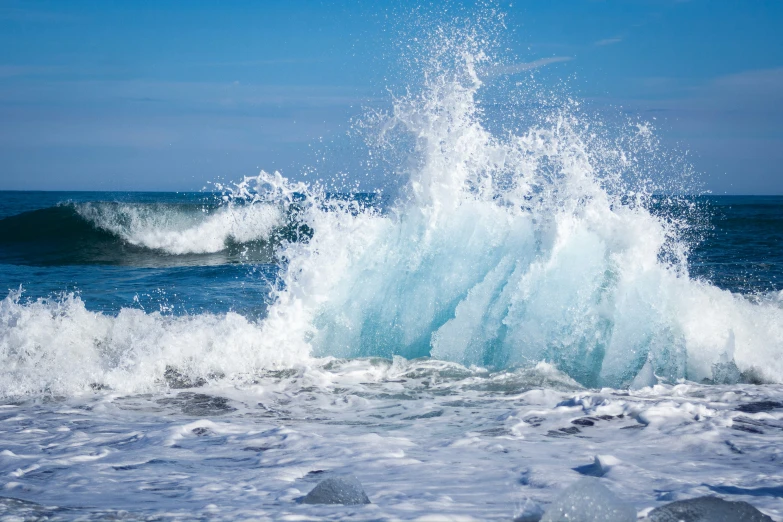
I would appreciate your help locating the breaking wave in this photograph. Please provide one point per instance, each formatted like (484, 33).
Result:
(504, 249)
(139, 234)
(176, 232)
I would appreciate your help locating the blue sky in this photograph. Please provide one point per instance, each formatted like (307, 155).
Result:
(164, 95)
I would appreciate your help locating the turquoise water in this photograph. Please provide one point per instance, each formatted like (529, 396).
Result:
(48, 249)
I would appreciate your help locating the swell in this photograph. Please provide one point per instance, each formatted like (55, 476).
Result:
(57, 236)
(154, 235)
(741, 252)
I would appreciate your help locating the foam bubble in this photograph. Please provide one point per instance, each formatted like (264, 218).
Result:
(174, 231)
(507, 250)
(59, 347)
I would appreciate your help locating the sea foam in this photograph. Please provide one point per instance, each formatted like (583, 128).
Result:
(173, 231)
(59, 347)
(503, 250)
(507, 250)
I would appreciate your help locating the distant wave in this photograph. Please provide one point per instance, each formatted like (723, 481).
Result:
(133, 233)
(176, 230)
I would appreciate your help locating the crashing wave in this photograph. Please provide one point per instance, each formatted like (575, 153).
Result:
(173, 231)
(511, 249)
(502, 251)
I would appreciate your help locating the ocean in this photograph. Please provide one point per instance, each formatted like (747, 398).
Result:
(526, 310)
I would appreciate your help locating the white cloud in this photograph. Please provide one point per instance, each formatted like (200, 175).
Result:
(10, 71)
(608, 41)
(516, 68)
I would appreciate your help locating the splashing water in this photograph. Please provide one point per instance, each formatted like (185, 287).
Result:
(183, 233)
(510, 250)
(503, 250)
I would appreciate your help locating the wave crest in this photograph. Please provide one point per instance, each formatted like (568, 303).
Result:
(175, 232)
(58, 347)
(506, 250)
(162, 234)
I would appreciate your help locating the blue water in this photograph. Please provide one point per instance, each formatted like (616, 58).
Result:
(49, 262)
(523, 310)
(742, 249)
(738, 250)
(499, 249)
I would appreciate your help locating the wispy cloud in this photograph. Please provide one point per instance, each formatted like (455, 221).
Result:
(731, 122)
(150, 116)
(753, 91)
(253, 63)
(181, 97)
(516, 68)
(19, 14)
(768, 81)
(608, 41)
(10, 71)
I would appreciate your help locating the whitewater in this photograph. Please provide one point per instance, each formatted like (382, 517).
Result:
(517, 316)
(178, 233)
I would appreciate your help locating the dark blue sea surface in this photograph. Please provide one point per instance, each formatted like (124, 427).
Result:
(47, 248)
(742, 249)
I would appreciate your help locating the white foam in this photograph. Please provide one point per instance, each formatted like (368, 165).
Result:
(504, 251)
(173, 231)
(59, 347)
(425, 439)
(510, 250)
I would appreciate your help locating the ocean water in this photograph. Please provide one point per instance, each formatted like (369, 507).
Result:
(528, 308)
